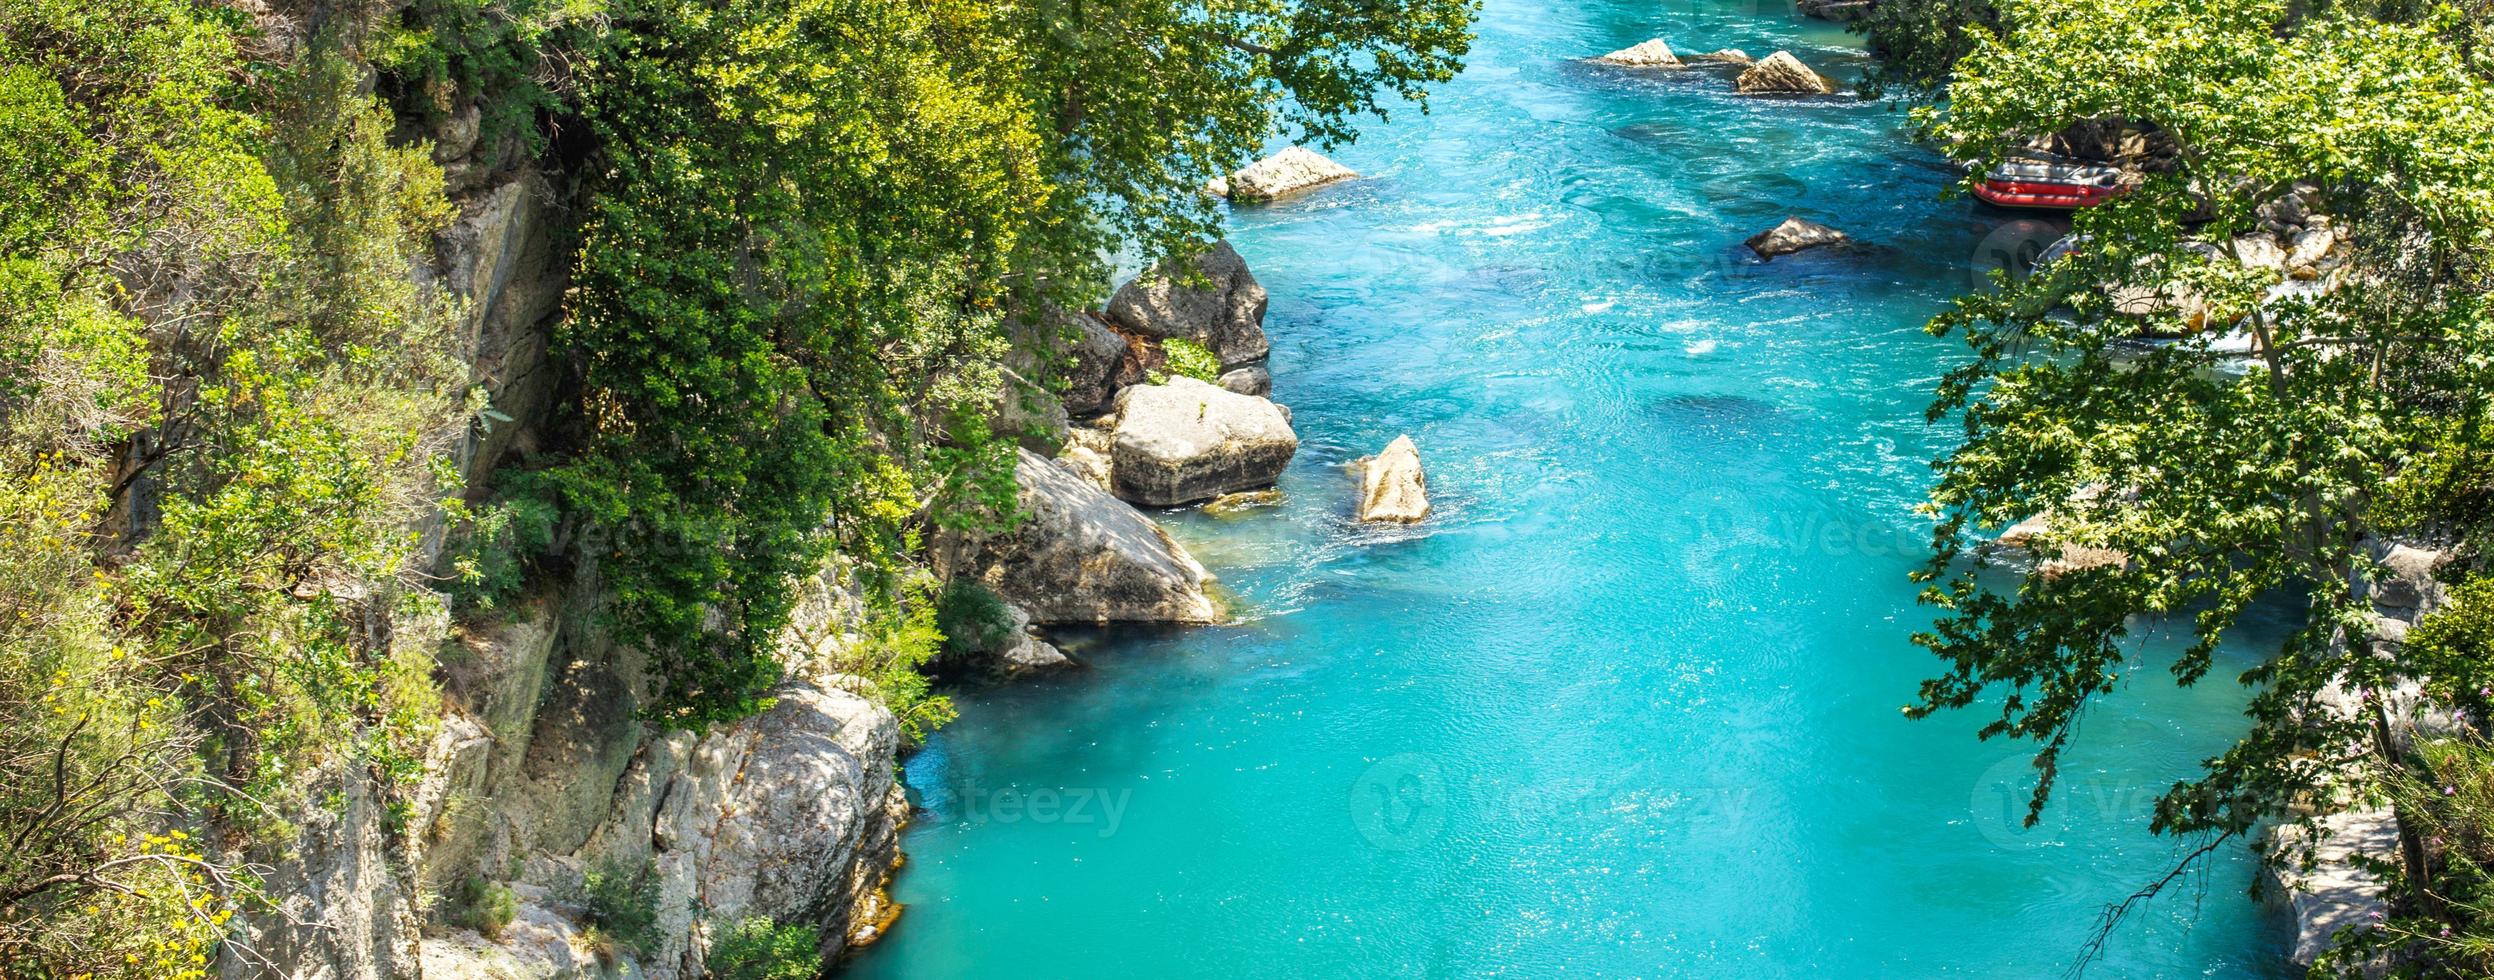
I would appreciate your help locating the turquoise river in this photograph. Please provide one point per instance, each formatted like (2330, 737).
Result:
(1628, 705)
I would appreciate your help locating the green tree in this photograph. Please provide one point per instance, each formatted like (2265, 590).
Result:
(2213, 481)
(807, 220)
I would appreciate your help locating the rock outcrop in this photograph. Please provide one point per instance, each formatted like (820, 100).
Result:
(1187, 441)
(1723, 56)
(1098, 361)
(1795, 235)
(1290, 171)
(544, 772)
(1651, 54)
(1079, 555)
(1211, 299)
(1393, 489)
(1783, 74)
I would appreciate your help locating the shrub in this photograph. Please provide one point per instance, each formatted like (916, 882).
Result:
(485, 906)
(759, 949)
(491, 550)
(622, 903)
(973, 619)
(1189, 359)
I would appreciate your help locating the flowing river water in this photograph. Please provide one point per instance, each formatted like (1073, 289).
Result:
(1628, 705)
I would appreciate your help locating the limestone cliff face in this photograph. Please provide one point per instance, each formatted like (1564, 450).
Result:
(540, 770)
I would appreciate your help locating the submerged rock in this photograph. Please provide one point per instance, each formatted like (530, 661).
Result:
(1393, 489)
(1235, 504)
(1079, 555)
(1211, 299)
(1783, 74)
(1651, 54)
(1795, 235)
(1187, 441)
(1290, 171)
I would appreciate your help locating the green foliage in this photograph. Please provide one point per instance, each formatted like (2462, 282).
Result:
(2447, 798)
(1919, 42)
(2218, 483)
(2453, 649)
(973, 619)
(484, 906)
(759, 949)
(784, 302)
(437, 56)
(1188, 359)
(493, 547)
(804, 221)
(900, 639)
(621, 904)
(216, 387)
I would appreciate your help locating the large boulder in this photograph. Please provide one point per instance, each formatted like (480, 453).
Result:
(1794, 235)
(1651, 54)
(1290, 171)
(1210, 299)
(1188, 441)
(1098, 361)
(1079, 555)
(1393, 489)
(1783, 74)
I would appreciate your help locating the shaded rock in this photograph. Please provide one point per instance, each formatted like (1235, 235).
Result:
(2340, 891)
(1098, 361)
(1250, 380)
(1290, 171)
(1651, 54)
(1081, 556)
(502, 259)
(1835, 10)
(1783, 74)
(2404, 583)
(1723, 56)
(1085, 453)
(1393, 489)
(1187, 441)
(1032, 415)
(1212, 300)
(1794, 235)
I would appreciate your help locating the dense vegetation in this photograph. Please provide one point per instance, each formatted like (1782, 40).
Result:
(2183, 482)
(809, 233)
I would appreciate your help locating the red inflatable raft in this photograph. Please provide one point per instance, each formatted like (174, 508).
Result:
(2057, 183)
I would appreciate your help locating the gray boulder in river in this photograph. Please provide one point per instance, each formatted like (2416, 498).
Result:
(1079, 555)
(1783, 74)
(1222, 310)
(1795, 235)
(1652, 54)
(1290, 171)
(1393, 489)
(1187, 441)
